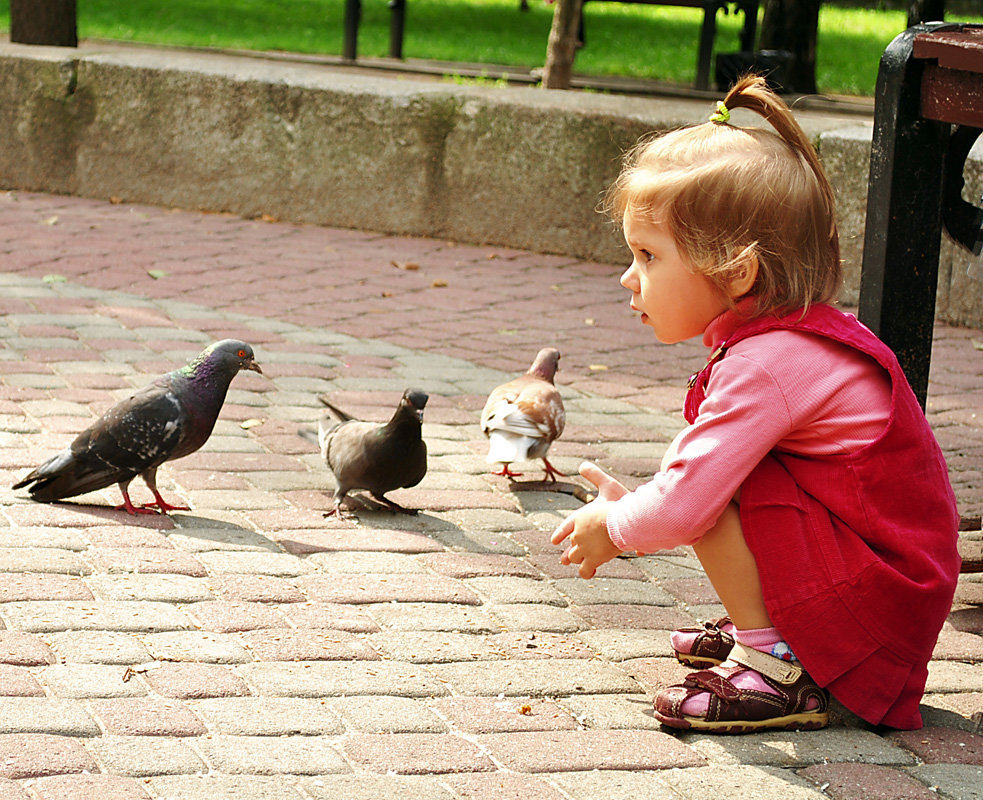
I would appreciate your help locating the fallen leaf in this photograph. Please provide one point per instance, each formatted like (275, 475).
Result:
(977, 345)
(115, 200)
(492, 256)
(269, 218)
(439, 283)
(246, 424)
(51, 221)
(156, 274)
(387, 294)
(52, 278)
(526, 710)
(589, 321)
(409, 266)
(597, 367)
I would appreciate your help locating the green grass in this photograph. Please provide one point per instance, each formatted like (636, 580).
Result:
(653, 42)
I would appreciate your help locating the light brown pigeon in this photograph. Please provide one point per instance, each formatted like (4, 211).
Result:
(524, 416)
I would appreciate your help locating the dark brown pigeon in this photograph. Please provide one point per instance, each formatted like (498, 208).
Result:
(170, 418)
(524, 416)
(377, 458)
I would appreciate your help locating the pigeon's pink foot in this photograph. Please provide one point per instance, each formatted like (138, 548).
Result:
(505, 472)
(163, 506)
(128, 506)
(552, 472)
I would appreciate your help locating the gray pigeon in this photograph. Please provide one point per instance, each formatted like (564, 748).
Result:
(524, 416)
(377, 458)
(170, 418)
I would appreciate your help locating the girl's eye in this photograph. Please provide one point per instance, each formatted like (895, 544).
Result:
(647, 256)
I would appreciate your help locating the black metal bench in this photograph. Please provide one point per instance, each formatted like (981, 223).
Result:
(926, 118)
(708, 28)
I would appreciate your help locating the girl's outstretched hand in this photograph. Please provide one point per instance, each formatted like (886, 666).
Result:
(590, 546)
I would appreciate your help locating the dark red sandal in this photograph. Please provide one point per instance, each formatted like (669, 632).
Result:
(734, 710)
(710, 647)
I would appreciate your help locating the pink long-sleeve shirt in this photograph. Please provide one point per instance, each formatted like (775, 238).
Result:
(785, 389)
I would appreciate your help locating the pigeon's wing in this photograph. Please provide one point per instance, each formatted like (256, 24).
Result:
(511, 417)
(136, 434)
(541, 402)
(349, 450)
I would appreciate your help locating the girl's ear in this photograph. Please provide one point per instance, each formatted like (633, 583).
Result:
(744, 280)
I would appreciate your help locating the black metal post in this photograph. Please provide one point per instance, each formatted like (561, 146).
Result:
(353, 15)
(397, 22)
(902, 238)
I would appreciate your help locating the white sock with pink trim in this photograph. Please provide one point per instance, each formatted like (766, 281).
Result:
(767, 640)
(682, 641)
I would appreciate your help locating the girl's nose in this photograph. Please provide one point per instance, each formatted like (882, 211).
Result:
(628, 276)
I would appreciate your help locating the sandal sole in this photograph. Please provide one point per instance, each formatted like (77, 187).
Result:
(807, 721)
(697, 662)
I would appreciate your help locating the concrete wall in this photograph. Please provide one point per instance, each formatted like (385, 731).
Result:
(519, 167)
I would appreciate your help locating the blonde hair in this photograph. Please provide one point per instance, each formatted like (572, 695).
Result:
(730, 194)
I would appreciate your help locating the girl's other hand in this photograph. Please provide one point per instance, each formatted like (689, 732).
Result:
(590, 546)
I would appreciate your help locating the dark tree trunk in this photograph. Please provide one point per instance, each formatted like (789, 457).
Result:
(51, 22)
(793, 25)
(925, 11)
(562, 45)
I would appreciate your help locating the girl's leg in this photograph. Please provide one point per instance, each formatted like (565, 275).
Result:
(731, 568)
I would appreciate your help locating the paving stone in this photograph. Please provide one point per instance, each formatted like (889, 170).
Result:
(535, 617)
(31, 755)
(165, 588)
(614, 785)
(619, 591)
(44, 586)
(99, 647)
(231, 538)
(44, 715)
(43, 560)
(612, 711)
(783, 749)
(387, 715)
(301, 542)
(24, 649)
(402, 588)
(336, 678)
(268, 716)
(502, 786)
(86, 787)
(307, 645)
(515, 589)
(18, 682)
(429, 647)
(634, 616)
(204, 646)
(224, 787)
(952, 676)
(942, 745)
(244, 562)
(79, 681)
(11, 790)
(560, 751)
(431, 617)
(731, 783)
(331, 616)
(416, 753)
(273, 755)
(256, 589)
(546, 678)
(365, 562)
(622, 645)
(474, 715)
(369, 786)
(221, 616)
(120, 616)
(866, 782)
(952, 781)
(194, 681)
(477, 565)
(529, 644)
(39, 536)
(139, 716)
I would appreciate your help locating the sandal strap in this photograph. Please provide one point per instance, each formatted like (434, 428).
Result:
(785, 672)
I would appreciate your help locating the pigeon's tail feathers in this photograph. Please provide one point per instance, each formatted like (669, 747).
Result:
(505, 447)
(336, 413)
(509, 418)
(325, 427)
(66, 476)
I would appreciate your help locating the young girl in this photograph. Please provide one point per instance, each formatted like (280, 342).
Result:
(808, 481)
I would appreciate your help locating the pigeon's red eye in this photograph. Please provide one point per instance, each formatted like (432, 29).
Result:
(242, 354)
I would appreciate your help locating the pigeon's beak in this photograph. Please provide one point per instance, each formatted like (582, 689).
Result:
(253, 366)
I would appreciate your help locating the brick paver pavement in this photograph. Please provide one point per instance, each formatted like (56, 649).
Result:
(249, 648)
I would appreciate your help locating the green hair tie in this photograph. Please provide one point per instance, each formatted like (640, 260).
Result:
(722, 114)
